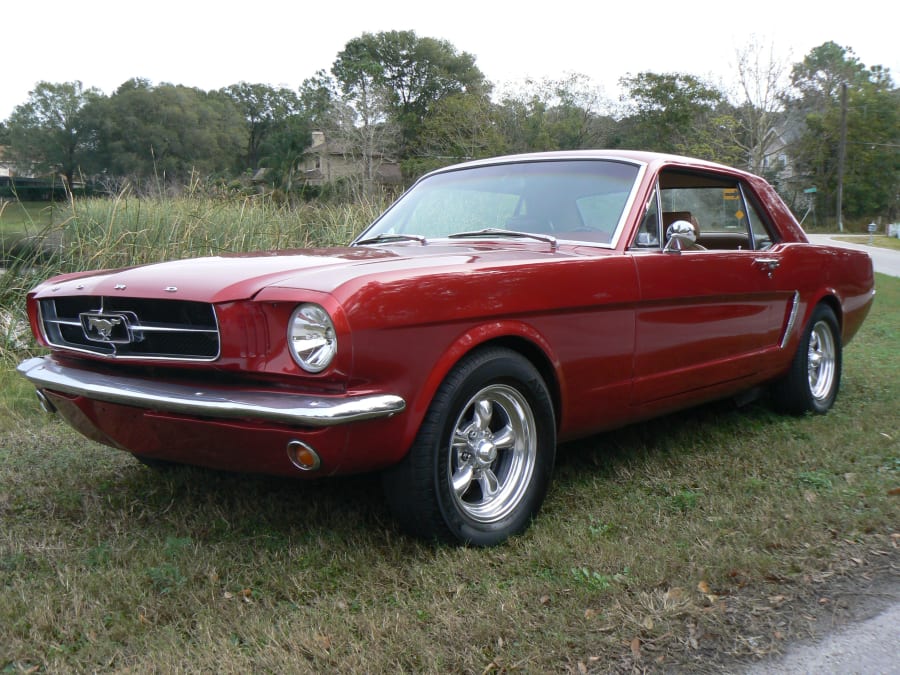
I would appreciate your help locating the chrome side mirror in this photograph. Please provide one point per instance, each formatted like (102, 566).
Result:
(680, 235)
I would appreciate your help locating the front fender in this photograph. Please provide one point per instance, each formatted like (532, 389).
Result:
(508, 331)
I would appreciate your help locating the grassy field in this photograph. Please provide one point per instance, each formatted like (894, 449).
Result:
(19, 218)
(880, 240)
(695, 541)
(24, 221)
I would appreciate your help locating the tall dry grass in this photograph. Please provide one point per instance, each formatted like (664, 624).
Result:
(128, 230)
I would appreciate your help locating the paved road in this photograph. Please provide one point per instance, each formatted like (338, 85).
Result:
(865, 648)
(885, 260)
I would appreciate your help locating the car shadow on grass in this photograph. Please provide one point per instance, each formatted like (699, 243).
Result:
(224, 504)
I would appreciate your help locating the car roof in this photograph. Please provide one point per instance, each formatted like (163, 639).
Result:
(632, 156)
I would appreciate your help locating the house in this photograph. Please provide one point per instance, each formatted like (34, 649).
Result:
(777, 162)
(7, 168)
(327, 161)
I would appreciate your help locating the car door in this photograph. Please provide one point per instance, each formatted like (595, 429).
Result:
(708, 317)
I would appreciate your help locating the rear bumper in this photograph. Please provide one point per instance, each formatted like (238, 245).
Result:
(211, 402)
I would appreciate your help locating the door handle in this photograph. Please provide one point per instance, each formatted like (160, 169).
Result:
(768, 264)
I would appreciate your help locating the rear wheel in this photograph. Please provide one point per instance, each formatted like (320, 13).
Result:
(812, 383)
(481, 463)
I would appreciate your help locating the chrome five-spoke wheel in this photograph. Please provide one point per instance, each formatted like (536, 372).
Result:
(821, 360)
(492, 453)
(480, 466)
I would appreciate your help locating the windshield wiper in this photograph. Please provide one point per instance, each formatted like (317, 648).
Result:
(498, 232)
(390, 236)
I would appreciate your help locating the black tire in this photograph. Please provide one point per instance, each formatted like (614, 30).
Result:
(812, 383)
(490, 429)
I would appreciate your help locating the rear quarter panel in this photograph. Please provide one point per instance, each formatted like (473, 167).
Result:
(842, 277)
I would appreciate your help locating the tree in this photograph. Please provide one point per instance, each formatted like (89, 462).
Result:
(760, 112)
(555, 114)
(396, 77)
(51, 131)
(284, 147)
(318, 97)
(671, 112)
(363, 124)
(354, 115)
(871, 171)
(818, 78)
(458, 127)
(168, 131)
(265, 109)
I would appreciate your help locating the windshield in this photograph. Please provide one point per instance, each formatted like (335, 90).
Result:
(583, 200)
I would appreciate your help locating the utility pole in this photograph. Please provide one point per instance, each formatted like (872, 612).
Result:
(842, 151)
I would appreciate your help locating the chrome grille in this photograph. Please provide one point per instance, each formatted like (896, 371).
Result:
(132, 328)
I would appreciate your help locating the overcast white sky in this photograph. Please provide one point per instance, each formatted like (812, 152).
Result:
(213, 44)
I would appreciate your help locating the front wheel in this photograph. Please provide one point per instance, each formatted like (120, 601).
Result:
(482, 460)
(812, 383)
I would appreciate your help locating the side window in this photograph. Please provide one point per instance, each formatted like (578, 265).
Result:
(717, 207)
(648, 235)
(762, 239)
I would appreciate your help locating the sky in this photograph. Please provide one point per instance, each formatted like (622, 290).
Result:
(210, 45)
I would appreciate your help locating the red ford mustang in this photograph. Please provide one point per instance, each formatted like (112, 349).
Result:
(496, 308)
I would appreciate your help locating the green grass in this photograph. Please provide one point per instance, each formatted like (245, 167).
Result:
(664, 533)
(23, 225)
(682, 543)
(23, 217)
(879, 240)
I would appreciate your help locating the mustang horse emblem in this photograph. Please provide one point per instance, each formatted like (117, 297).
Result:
(102, 326)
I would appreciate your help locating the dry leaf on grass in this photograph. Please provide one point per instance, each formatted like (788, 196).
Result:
(636, 648)
(675, 594)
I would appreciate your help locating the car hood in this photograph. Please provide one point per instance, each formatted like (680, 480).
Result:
(237, 277)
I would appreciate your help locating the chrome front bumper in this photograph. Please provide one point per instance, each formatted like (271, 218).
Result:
(291, 409)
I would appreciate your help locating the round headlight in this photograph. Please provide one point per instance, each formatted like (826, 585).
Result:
(311, 338)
